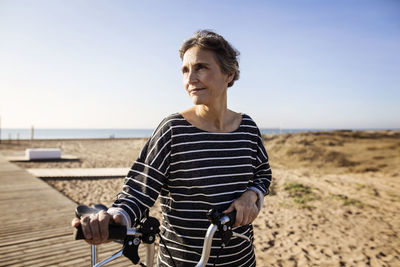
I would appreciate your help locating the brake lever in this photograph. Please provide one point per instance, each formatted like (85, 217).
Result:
(241, 236)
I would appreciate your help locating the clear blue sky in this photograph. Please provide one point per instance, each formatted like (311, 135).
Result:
(115, 64)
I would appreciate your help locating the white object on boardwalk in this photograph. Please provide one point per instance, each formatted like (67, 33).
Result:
(42, 153)
(79, 172)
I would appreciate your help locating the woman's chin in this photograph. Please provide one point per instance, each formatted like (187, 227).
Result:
(198, 100)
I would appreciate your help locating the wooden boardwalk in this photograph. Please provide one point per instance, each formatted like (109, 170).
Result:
(35, 224)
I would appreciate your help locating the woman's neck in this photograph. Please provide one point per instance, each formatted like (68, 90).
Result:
(217, 118)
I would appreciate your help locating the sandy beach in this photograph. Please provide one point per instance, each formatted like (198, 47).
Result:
(335, 198)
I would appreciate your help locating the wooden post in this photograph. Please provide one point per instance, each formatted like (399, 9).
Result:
(32, 132)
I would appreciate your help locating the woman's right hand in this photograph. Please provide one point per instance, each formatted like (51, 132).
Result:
(95, 226)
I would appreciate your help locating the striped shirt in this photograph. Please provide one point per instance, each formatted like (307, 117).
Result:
(192, 171)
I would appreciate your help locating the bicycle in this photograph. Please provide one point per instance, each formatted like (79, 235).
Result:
(146, 232)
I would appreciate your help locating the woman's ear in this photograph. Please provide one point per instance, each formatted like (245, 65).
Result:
(229, 77)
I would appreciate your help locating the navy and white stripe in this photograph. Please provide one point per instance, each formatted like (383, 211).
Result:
(192, 171)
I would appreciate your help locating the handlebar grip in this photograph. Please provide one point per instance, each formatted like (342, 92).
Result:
(115, 232)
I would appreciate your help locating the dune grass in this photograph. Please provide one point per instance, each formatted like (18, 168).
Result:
(348, 201)
(301, 194)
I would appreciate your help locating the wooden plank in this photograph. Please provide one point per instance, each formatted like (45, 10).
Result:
(79, 172)
(25, 159)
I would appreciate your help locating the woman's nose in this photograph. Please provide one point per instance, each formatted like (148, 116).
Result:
(192, 76)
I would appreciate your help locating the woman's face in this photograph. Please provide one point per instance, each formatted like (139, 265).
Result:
(203, 78)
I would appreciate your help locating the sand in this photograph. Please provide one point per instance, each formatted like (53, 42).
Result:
(335, 197)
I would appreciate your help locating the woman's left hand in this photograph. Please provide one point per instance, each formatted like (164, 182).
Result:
(246, 208)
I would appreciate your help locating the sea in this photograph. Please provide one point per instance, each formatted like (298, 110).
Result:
(24, 134)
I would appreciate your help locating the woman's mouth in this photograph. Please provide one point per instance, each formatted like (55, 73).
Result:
(193, 91)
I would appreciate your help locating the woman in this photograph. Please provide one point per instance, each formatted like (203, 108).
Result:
(205, 157)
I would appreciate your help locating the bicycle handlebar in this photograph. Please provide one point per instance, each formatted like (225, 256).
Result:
(232, 217)
(149, 227)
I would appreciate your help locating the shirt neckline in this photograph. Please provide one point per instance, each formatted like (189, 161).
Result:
(240, 125)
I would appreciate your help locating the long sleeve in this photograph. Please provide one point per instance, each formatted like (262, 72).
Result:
(146, 177)
(262, 172)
